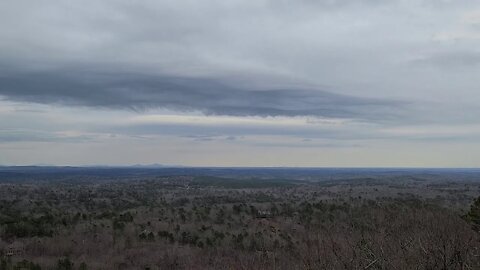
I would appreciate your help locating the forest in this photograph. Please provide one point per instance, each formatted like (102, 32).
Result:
(212, 219)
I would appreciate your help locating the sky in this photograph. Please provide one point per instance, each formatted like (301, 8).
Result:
(310, 83)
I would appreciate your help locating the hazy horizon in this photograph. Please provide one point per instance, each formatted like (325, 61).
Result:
(179, 166)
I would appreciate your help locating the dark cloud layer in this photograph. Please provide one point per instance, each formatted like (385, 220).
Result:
(143, 92)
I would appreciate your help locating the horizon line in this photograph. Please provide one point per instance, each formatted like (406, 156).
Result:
(161, 166)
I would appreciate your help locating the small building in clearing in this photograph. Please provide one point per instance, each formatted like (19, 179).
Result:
(15, 249)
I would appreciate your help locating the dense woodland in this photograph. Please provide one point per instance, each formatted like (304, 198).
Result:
(240, 222)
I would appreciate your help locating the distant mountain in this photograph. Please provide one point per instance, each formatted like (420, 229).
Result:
(154, 165)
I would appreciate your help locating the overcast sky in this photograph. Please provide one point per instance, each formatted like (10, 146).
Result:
(240, 83)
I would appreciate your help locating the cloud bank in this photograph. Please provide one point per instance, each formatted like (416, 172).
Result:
(143, 92)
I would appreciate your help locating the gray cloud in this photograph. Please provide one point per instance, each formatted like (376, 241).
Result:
(308, 145)
(210, 137)
(451, 59)
(142, 92)
(9, 135)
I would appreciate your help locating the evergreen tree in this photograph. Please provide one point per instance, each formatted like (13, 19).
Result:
(473, 215)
